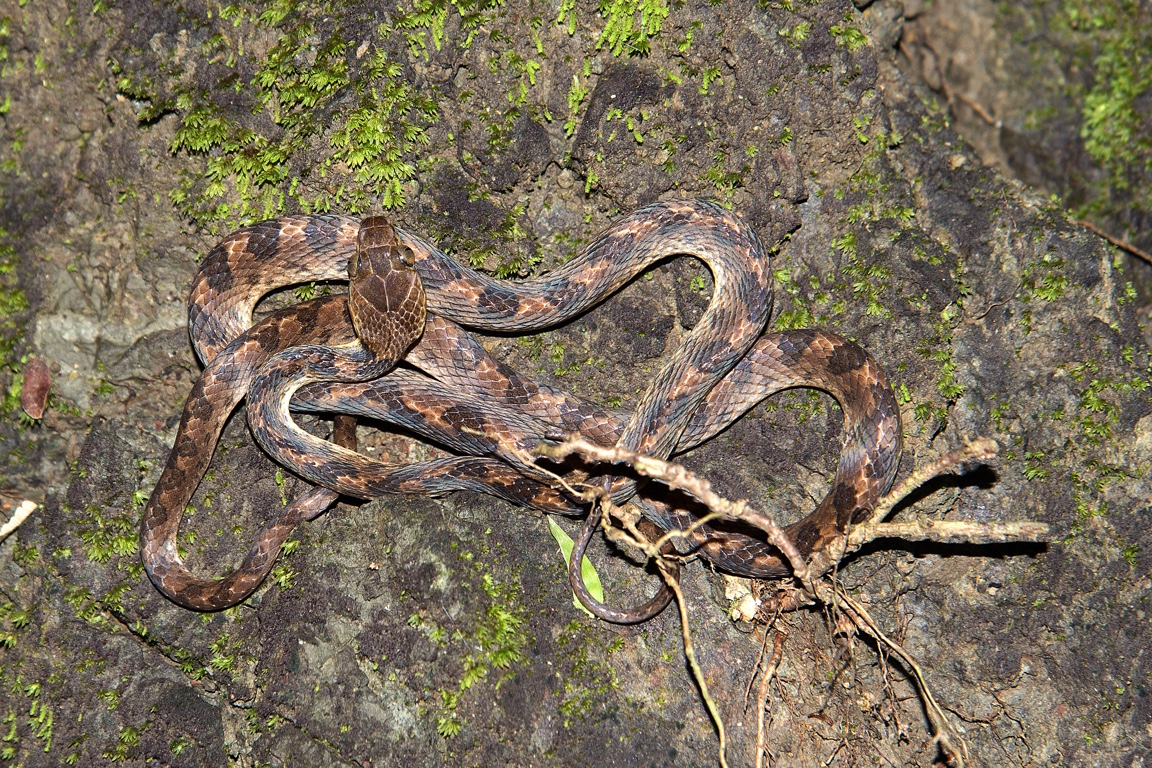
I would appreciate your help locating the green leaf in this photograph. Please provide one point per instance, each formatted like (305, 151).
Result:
(587, 571)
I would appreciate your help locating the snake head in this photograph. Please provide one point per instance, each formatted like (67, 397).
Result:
(385, 297)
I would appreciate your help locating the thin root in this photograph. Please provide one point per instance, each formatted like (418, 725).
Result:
(697, 673)
(766, 676)
(812, 575)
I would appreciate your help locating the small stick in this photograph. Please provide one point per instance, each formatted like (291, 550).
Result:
(979, 110)
(1116, 241)
(759, 658)
(982, 449)
(950, 531)
(21, 514)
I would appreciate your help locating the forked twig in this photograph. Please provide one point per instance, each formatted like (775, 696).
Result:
(946, 531)
(677, 477)
(812, 573)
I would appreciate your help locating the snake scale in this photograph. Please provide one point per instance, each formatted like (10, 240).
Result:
(315, 357)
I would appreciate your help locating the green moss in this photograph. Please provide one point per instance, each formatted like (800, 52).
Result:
(125, 747)
(1116, 128)
(576, 95)
(327, 106)
(424, 21)
(1043, 279)
(108, 534)
(224, 652)
(805, 404)
(848, 36)
(496, 643)
(5, 31)
(38, 723)
(1097, 414)
(724, 176)
(868, 279)
(631, 123)
(179, 745)
(938, 348)
(13, 316)
(797, 34)
(283, 576)
(111, 698)
(630, 25)
(589, 676)
(1102, 48)
(1098, 409)
(13, 620)
(1033, 468)
(1129, 554)
(189, 663)
(800, 314)
(998, 411)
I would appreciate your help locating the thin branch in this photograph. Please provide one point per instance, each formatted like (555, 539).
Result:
(950, 531)
(677, 477)
(630, 518)
(995, 304)
(975, 107)
(981, 449)
(1116, 241)
(760, 657)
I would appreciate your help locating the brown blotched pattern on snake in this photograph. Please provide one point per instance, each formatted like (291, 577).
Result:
(485, 410)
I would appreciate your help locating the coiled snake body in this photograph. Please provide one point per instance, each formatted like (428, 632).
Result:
(309, 355)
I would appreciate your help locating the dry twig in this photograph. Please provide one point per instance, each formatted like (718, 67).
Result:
(1116, 241)
(947, 531)
(677, 477)
(812, 574)
(21, 514)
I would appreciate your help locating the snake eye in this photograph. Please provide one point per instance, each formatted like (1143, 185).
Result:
(407, 257)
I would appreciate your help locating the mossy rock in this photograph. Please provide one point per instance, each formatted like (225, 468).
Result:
(427, 631)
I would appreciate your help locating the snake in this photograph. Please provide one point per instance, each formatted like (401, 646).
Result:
(310, 357)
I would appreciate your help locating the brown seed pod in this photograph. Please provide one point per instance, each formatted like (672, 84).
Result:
(37, 383)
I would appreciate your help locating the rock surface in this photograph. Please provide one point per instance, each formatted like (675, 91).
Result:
(440, 631)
